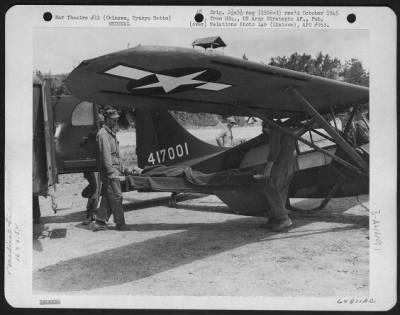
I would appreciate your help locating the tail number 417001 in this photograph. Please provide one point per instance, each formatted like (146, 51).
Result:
(170, 153)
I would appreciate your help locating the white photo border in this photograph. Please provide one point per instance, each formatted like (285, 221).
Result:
(20, 24)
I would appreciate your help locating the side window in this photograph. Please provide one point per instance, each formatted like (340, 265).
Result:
(83, 114)
(316, 139)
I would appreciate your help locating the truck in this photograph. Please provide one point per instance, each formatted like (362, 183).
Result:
(64, 138)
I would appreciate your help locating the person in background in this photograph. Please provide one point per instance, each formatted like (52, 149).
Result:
(358, 133)
(110, 172)
(36, 210)
(91, 191)
(361, 130)
(92, 194)
(279, 171)
(251, 120)
(101, 120)
(225, 134)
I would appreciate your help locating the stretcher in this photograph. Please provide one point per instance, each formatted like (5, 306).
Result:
(185, 179)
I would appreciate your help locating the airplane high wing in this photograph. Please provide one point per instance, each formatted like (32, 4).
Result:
(155, 79)
(184, 79)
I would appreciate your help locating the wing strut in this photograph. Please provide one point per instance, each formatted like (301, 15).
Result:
(291, 134)
(328, 128)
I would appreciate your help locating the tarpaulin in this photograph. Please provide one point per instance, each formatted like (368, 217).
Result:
(182, 178)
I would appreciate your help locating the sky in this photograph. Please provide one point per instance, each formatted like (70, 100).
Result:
(59, 50)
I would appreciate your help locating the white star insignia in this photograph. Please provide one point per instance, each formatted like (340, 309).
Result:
(169, 83)
(166, 82)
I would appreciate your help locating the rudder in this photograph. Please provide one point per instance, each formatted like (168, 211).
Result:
(160, 139)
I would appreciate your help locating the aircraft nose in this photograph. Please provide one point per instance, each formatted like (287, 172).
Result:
(86, 62)
(88, 78)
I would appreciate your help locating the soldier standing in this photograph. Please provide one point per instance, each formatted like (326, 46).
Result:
(110, 171)
(280, 169)
(91, 192)
(226, 133)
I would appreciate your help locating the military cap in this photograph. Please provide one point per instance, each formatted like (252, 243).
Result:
(231, 120)
(111, 113)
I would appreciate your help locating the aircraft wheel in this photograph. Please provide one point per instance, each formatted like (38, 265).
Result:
(171, 203)
(172, 200)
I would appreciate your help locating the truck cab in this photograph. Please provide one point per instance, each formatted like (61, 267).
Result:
(64, 137)
(75, 127)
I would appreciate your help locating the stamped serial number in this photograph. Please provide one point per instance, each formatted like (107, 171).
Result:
(47, 302)
(170, 153)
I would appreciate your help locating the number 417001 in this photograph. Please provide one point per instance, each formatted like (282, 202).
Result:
(170, 153)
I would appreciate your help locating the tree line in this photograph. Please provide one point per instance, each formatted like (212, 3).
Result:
(352, 71)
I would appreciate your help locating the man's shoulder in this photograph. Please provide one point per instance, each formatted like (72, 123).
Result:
(102, 131)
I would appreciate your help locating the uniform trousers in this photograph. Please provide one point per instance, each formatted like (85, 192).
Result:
(35, 208)
(277, 196)
(111, 202)
(277, 184)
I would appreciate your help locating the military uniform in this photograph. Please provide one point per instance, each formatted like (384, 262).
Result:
(91, 193)
(361, 133)
(225, 133)
(111, 168)
(36, 210)
(282, 155)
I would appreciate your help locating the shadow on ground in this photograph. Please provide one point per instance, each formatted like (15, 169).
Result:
(131, 205)
(198, 241)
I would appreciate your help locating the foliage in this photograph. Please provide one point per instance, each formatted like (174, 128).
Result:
(57, 83)
(324, 66)
(198, 119)
(321, 65)
(353, 72)
(60, 88)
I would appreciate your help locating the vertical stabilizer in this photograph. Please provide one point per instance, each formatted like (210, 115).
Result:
(160, 139)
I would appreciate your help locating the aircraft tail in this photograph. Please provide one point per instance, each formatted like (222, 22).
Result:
(160, 139)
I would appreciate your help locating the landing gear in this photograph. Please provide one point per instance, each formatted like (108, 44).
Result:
(333, 173)
(323, 204)
(172, 200)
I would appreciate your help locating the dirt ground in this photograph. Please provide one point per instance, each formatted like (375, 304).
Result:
(200, 249)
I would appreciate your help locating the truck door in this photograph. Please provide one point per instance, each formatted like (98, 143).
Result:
(75, 124)
(44, 165)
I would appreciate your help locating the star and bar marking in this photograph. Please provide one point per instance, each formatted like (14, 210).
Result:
(166, 82)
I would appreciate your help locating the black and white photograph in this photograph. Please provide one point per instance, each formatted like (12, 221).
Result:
(225, 164)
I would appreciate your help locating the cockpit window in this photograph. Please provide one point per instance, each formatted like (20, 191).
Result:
(83, 114)
(315, 138)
